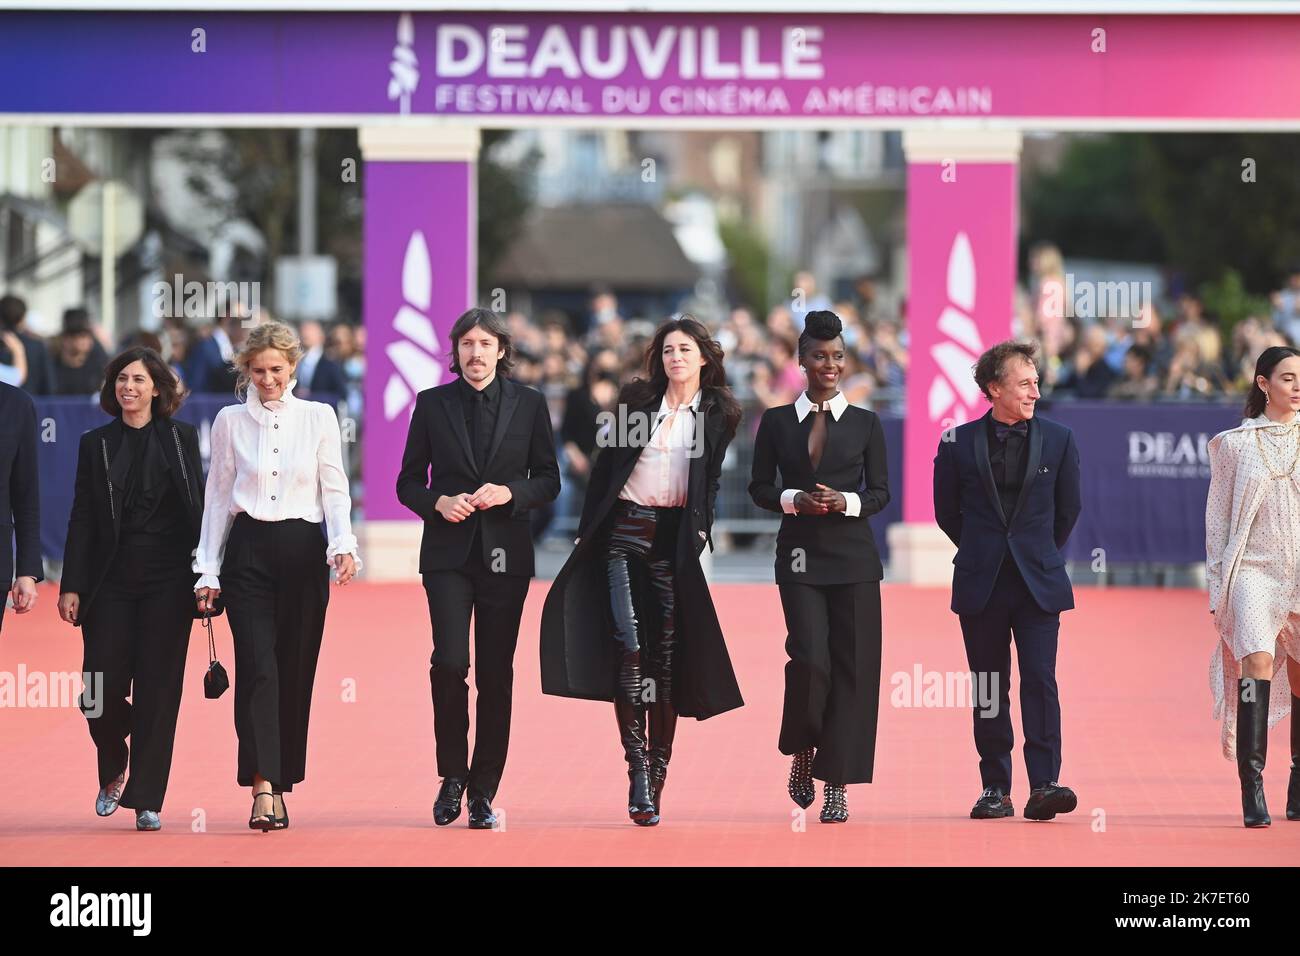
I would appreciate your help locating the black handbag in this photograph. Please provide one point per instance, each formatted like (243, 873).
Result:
(215, 680)
(218, 608)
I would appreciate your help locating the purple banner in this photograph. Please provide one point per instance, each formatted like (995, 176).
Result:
(1145, 475)
(584, 66)
(419, 277)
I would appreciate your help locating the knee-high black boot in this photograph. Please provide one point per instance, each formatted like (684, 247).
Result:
(631, 728)
(663, 726)
(1252, 748)
(1293, 789)
(662, 713)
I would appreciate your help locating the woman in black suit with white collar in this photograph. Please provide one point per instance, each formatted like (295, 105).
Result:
(833, 476)
(136, 513)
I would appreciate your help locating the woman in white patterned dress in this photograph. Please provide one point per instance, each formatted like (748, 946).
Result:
(1252, 555)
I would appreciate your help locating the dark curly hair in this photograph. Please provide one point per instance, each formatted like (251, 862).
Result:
(992, 365)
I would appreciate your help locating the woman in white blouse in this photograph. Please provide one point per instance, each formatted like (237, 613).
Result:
(1252, 563)
(276, 473)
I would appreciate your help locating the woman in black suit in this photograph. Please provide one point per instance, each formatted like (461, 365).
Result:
(646, 517)
(831, 457)
(135, 521)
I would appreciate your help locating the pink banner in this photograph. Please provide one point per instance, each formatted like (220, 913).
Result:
(961, 242)
(511, 66)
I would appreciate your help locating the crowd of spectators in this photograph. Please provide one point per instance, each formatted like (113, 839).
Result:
(72, 362)
(1173, 352)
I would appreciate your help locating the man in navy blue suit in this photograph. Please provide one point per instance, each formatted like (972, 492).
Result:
(1006, 491)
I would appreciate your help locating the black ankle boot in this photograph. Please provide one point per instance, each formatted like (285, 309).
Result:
(663, 727)
(1293, 789)
(1252, 748)
(800, 786)
(835, 804)
(631, 728)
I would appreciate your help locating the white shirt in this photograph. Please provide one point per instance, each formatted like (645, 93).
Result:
(224, 345)
(835, 405)
(660, 477)
(274, 462)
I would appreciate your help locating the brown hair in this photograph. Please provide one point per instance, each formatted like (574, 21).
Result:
(491, 323)
(171, 393)
(643, 390)
(993, 363)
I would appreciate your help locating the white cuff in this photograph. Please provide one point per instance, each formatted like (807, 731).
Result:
(787, 500)
(344, 544)
(200, 566)
(852, 504)
(208, 581)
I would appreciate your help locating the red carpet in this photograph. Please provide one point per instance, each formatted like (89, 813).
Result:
(1140, 750)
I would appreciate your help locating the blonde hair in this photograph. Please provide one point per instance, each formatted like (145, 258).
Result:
(266, 335)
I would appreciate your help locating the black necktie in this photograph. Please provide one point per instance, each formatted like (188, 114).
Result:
(480, 429)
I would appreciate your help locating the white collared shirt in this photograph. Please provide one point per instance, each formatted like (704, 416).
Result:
(660, 476)
(274, 462)
(835, 405)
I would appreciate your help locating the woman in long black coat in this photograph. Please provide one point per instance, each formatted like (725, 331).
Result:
(639, 542)
(126, 577)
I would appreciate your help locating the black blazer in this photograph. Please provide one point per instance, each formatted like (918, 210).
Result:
(96, 519)
(969, 510)
(439, 461)
(20, 511)
(836, 549)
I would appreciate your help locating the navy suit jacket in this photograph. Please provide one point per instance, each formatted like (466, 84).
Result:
(328, 379)
(205, 368)
(968, 509)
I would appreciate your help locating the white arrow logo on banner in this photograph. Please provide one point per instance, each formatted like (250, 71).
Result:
(954, 392)
(414, 354)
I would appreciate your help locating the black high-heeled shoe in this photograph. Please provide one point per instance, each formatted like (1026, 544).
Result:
(262, 821)
(281, 823)
(835, 806)
(801, 788)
